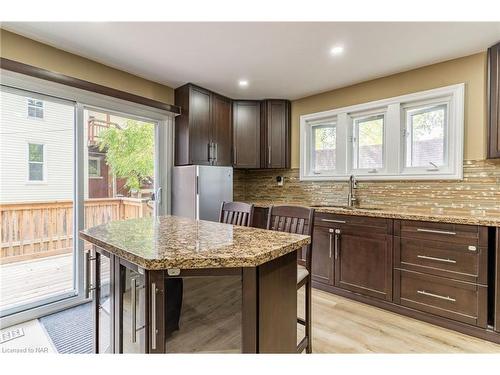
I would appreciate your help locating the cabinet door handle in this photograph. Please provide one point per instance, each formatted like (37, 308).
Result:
(446, 298)
(436, 231)
(330, 244)
(337, 243)
(235, 156)
(445, 260)
(269, 154)
(88, 285)
(154, 331)
(133, 294)
(216, 152)
(334, 221)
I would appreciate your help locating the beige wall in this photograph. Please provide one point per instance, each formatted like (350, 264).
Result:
(28, 51)
(470, 70)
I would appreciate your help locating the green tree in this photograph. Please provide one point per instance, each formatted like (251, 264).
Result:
(130, 152)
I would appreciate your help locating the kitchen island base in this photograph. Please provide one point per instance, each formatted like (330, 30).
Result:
(214, 310)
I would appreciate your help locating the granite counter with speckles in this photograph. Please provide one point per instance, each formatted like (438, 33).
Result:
(434, 215)
(174, 242)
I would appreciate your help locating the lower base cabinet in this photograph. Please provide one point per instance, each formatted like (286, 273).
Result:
(446, 274)
(452, 299)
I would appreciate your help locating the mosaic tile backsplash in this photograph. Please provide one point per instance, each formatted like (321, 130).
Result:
(478, 192)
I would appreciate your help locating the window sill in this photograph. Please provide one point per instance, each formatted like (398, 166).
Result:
(386, 177)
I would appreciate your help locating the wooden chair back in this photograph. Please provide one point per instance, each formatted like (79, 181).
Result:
(293, 219)
(236, 213)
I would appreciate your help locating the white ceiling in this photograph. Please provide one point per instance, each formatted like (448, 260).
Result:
(280, 60)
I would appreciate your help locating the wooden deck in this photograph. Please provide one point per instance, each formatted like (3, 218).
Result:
(32, 280)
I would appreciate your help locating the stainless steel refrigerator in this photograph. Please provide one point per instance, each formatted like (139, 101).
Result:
(199, 190)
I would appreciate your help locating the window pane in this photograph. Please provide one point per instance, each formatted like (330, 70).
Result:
(425, 131)
(93, 167)
(36, 172)
(35, 152)
(370, 138)
(325, 139)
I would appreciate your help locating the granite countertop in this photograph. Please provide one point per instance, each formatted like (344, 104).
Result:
(435, 215)
(174, 242)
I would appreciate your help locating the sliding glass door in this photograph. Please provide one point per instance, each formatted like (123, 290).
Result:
(66, 166)
(37, 254)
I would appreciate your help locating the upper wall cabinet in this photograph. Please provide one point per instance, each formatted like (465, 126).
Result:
(275, 134)
(494, 101)
(246, 134)
(203, 130)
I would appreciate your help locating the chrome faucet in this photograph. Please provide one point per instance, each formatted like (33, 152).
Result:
(351, 199)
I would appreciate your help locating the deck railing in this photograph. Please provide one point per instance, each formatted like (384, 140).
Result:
(96, 127)
(39, 229)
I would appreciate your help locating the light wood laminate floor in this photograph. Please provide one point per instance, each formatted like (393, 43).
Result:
(341, 325)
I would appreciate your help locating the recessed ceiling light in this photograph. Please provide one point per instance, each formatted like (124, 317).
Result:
(243, 83)
(337, 50)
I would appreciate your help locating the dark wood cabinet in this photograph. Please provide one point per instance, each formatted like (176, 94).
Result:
(494, 101)
(360, 251)
(496, 278)
(322, 255)
(222, 130)
(275, 133)
(203, 130)
(246, 134)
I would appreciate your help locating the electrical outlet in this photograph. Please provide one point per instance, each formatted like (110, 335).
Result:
(280, 180)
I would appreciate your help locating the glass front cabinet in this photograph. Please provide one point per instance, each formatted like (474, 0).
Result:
(118, 292)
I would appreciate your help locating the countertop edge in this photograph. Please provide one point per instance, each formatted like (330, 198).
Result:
(451, 219)
(204, 263)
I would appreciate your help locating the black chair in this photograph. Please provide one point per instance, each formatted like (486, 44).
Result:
(299, 220)
(236, 213)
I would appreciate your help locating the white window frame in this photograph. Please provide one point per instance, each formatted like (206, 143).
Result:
(28, 105)
(394, 110)
(447, 158)
(44, 163)
(98, 159)
(326, 123)
(354, 141)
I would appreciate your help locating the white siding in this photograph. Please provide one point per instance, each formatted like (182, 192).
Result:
(55, 131)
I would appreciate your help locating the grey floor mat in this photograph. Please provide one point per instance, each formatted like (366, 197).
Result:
(71, 329)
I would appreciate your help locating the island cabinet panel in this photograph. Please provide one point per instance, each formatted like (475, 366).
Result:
(203, 132)
(132, 302)
(99, 267)
(246, 134)
(322, 255)
(275, 133)
(494, 101)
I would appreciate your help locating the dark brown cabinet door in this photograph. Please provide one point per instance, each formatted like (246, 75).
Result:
(322, 255)
(199, 126)
(221, 130)
(363, 263)
(275, 138)
(494, 101)
(246, 134)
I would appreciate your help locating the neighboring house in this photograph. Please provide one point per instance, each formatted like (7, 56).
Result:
(36, 142)
(36, 158)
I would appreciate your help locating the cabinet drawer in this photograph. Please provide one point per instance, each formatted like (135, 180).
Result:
(456, 233)
(457, 300)
(454, 260)
(354, 224)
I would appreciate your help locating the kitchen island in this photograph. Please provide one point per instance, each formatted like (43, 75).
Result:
(170, 284)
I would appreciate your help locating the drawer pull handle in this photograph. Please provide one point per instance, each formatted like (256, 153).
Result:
(447, 298)
(437, 259)
(334, 221)
(436, 231)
